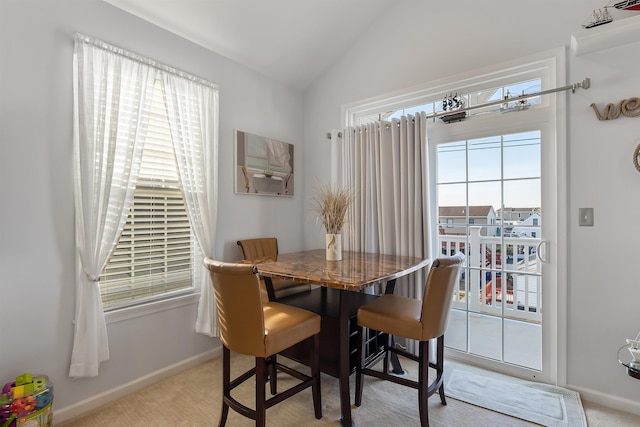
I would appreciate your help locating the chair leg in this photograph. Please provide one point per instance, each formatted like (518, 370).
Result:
(273, 375)
(423, 383)
(261, 409)
(385, 361)
(226, 384)
(359, 363)
(315, 373)
(440, 367)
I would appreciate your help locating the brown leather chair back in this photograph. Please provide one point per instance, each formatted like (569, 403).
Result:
(239, 302)
(259, 250)
(438, 294)
(265, 249)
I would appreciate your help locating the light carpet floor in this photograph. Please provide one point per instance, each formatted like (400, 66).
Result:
(193, 399)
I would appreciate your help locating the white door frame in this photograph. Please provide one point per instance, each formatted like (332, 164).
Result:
(550, 118)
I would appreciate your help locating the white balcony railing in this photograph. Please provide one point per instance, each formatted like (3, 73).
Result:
(502, 275)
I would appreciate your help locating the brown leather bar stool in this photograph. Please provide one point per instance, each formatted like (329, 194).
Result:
(251, 326)
(266, 249)
(413, 319)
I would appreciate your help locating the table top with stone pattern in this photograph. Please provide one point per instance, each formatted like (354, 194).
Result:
(355, 272)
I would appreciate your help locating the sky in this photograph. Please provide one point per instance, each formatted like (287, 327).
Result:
(497, 170)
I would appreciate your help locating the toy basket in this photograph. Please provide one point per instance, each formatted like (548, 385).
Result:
(27, 402)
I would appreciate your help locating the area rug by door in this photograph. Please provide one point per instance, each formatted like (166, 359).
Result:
(538, 403)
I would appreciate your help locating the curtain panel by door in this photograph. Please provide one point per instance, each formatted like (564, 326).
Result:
(386, 163)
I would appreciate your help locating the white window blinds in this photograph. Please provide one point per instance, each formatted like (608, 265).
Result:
(153, 257)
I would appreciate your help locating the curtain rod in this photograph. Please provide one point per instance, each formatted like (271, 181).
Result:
(83, 38)
(585, 84)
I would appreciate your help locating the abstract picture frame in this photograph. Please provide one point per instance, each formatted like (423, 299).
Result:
(264, 166)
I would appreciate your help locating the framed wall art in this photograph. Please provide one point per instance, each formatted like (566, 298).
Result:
(264, 166)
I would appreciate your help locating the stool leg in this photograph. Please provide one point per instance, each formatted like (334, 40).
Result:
(385, 362)
(260, 392)
(440, 367)
(315, 373)
(226, 384)
(423, 383)
(359, 363)
(273, 374)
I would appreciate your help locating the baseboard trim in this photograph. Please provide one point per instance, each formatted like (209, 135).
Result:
(608, 400)
(94, 402)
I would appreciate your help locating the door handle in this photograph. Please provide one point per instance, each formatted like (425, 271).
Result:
(538, 250)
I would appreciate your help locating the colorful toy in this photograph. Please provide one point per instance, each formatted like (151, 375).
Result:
(27, 401)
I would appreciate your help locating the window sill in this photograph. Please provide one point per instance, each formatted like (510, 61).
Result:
(151, 307)
(615, 34)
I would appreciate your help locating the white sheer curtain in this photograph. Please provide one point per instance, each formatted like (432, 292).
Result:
(386, 163)
(192, 107)
(113, 89)
(107, 153)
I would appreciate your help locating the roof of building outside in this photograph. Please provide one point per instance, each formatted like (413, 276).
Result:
(509, 209)
(460, 211)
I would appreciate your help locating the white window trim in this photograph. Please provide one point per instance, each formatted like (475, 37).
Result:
(146, 308)
(502, 74)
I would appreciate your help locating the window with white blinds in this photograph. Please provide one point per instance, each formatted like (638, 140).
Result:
(153, 257)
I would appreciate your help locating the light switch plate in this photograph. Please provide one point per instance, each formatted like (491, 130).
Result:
(585, 217)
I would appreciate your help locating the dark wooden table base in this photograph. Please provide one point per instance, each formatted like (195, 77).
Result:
(338, 309)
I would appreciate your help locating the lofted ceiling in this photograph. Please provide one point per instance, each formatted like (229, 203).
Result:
(291, 41)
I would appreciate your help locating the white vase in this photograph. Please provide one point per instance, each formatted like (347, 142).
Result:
(334, 247)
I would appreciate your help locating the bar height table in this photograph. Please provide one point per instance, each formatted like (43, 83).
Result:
(339, 297)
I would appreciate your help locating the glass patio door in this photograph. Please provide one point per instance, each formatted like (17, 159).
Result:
(497, 184)
(490, 206)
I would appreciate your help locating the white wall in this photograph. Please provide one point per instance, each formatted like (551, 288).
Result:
(603, 275)
(418, 42)
(36, 212)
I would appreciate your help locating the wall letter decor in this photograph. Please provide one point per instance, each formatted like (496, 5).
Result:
(628, 107)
